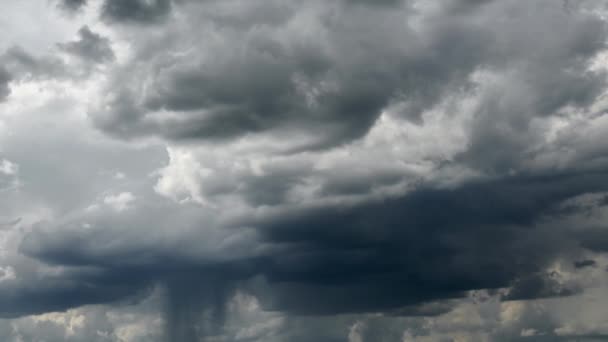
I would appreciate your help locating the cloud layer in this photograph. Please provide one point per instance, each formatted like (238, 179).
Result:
(296, 171)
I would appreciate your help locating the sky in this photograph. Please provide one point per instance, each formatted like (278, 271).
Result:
(303, 170)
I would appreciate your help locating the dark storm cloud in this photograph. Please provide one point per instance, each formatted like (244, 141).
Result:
(426, 310)
(585, 263)
(428, 245)
(84, 286)
(359, 184)
(538, 286)
(266, 77)
(333, 87)
(401, 256)
(595, 240)
(388, 256)
(195, 307)
(327, 71)
(90, 47)
(135, 11)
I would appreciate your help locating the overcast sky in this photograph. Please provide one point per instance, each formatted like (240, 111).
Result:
(303, 170)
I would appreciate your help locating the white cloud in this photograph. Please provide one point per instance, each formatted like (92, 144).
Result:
(181, 179)
(119, 202)
(9, 175)
(354, 333)
(8, 168)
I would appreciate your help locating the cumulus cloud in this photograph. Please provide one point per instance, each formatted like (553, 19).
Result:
(296, 171)
(330, 70)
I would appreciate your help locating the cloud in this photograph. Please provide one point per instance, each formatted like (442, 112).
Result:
(332, 78)
(538, 286)
(72, 5)
(372, 171)
(24, 65)
(450, 230)
(5, 79)
(135, 11)
(281, 77)
(585, 263)
(11, 223)
(8, 168)
(344, 259)
(20, 65)
(90, 47)
(119, 202)
(9, 175)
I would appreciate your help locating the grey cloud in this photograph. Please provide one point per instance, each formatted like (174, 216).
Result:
(359, 184)
(269, 190)
(539, 286)
(10, 224)
(426, 310)
(334, 87)
(189, 301)
(464, 6)
(595, 240)
(31, 292)
(391, 256)
(5, 79)
(556, 76)
(326, 71)
(26, 66)
(376, 3)
(90, 47)
(20, 65)
(361, 259)
(89, 324)
(362, 252)
(135, 11)
(72, 5)
(585, 263)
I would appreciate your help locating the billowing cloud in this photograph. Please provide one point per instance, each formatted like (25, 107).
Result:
(248, 170)
(330, 70)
